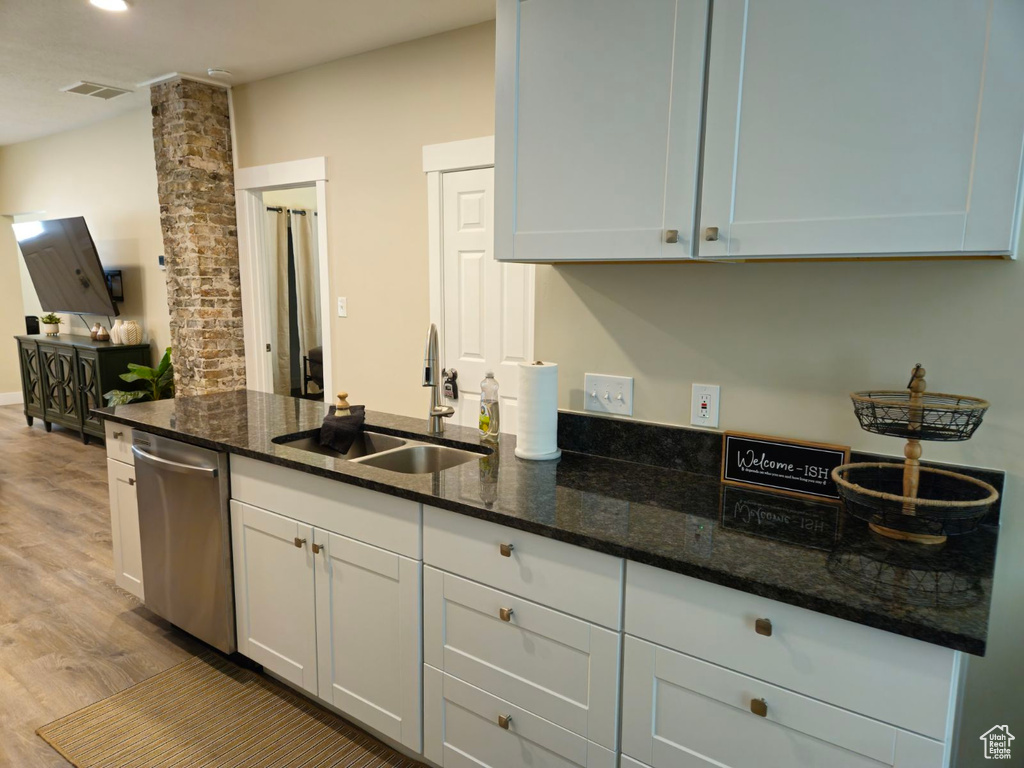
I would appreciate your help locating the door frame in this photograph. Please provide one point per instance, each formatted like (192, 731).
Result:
(451, 157)
(250, 184)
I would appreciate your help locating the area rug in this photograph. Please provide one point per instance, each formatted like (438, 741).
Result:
(210, 712)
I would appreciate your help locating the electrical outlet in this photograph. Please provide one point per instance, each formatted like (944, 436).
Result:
(608, 394)
(704, 405)
(342, 306)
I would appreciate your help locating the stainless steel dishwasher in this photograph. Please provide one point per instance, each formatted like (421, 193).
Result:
(186, 537)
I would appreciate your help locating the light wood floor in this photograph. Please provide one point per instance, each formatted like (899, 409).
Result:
(68, 636)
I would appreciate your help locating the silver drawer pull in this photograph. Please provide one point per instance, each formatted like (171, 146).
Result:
(299, 543)
(763, 627)
(505, 614)
(505, 721)
(506, 549)
(759, 707)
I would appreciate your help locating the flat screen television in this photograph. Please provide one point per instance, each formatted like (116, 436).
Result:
(64, 266)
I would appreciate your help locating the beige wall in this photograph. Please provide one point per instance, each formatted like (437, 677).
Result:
(104, 172)
(787, 342)
(370, 115)
(295, 197)
(11, 309)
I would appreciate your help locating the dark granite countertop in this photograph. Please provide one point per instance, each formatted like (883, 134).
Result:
(677, 516)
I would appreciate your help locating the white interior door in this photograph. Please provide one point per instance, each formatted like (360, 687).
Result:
(487, 312)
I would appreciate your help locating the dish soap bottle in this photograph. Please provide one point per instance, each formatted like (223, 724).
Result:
(489, 425)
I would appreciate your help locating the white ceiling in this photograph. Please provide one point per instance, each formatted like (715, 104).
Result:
(48, 44)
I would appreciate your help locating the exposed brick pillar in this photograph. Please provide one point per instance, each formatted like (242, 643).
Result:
(195, 185)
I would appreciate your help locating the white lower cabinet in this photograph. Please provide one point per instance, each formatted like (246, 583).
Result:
(682, 712)
(368, 635)
(334, 616)
(124, 527)
(275, 605)
(555, 666)
(467, 727)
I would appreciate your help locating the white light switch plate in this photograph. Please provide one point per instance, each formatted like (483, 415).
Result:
(704, 405)
(608, 394)
(342, 306)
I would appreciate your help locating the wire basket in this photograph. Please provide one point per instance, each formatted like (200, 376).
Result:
(947, 503)
(935, 416)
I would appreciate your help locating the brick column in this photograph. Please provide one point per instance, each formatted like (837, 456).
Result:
(195, 185)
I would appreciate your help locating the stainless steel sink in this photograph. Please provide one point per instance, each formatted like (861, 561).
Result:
(419, 459)
(367, 444)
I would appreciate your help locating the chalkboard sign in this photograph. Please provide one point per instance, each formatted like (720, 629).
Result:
(786, 466)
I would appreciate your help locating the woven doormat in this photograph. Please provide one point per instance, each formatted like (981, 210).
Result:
(210, 712)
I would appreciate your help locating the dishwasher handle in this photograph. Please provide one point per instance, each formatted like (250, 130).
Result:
(173, 466)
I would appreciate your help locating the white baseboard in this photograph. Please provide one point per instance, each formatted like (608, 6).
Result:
(10, 398)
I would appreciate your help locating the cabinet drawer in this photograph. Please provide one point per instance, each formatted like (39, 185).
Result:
(553, 665)
(461, 731)
(375, 518)
(563, 576)
(678, 708)
(119, 442)
(896, 679)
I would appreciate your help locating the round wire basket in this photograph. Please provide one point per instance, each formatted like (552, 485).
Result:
(935, 416)
(947, 503)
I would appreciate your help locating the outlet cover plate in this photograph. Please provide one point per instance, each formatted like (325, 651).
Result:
(704, 402)
(342, 306)
(608, 394)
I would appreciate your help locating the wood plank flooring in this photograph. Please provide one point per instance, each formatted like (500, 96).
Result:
(68, 636)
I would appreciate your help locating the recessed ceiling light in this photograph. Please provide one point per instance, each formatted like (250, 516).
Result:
(111, 5)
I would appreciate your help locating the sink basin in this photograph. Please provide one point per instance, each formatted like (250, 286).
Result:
(367, 444)
(420, 459)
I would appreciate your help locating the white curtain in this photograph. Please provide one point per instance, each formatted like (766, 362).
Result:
(307, 281)
(305, 255)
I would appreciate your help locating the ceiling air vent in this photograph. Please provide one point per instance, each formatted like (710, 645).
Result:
(95, 89)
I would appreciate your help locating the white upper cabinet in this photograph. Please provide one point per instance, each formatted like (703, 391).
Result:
(792, 128)
(595, 100)
(860, 128)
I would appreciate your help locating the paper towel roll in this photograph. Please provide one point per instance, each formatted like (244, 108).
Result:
(537, 436)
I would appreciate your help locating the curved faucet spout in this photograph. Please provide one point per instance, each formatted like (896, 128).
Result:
(432, 378)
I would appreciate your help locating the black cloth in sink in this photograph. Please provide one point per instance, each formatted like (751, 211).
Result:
(340, 432)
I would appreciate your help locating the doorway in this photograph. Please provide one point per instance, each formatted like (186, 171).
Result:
(483, 309)
(285, 273)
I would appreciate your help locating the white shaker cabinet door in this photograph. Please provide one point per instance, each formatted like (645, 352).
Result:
(274, 600)
(860, 128)
(124, 527)
(368, 635)
(597, 128)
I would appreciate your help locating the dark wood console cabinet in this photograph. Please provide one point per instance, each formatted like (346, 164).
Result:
(64, 377)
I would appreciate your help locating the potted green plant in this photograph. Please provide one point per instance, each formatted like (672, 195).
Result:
(51, 324)
(152, 383)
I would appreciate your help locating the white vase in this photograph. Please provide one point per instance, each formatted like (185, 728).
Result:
(117, 333)
(51, 329)
(131, 332)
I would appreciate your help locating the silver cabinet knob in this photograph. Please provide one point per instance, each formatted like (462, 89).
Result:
(711, 233)
(671, 235)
